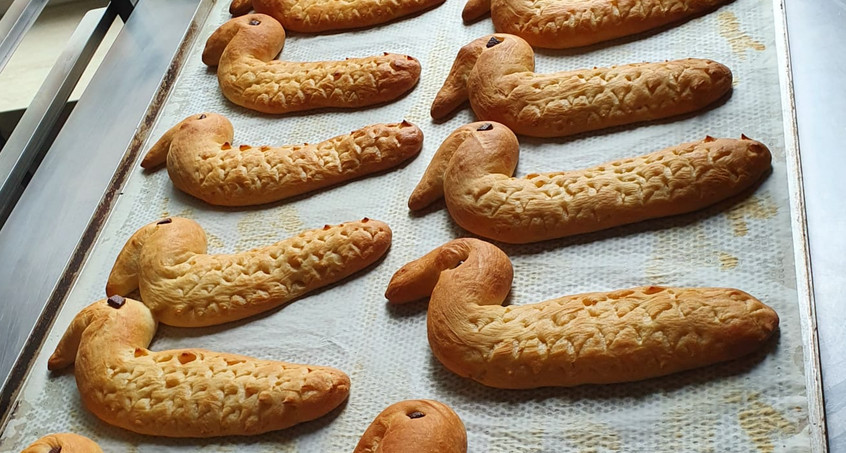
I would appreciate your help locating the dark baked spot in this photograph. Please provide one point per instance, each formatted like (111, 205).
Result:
(485, 127)
(492, 42)
(255, 22)
(164, 221)
(116, 301)
(416, 414)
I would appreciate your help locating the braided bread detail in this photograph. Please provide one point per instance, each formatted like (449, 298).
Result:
(202, 161)
(184, 286)
(185, 392)
(502, 86)
(312, 16)
(244, 48)
(472, 169)
(595, 338)
(561, 24)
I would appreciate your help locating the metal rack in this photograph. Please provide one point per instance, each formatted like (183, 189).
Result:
(72, 180)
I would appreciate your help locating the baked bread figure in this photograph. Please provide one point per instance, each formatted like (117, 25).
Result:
(312, 16)
(594, 338)
(496, 73)
(421, 426)
(561, 24)
(63, 443)
(472, 170)
(201, 160)
(244, 48)
(183, 286)
(185, 392)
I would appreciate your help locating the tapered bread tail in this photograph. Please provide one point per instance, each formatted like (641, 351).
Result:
(474, 9)
(124, 276)
(431, 185)
(216, 128)
(217, 42)
(115, 321)
(454, 91)
(65, 353)
(418, 278)
(257, 27)
(240, 7)
(157, 155)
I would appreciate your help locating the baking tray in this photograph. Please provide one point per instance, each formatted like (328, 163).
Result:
(713, 409)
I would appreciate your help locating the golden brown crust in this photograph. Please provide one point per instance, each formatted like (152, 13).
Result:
(312, 16)
(561, 24)
(597, 338)
(474, 9)
(64, 443)
(422, 426)
(202, 161)
(240, 7)
(244, 49)
(185, 392)
(184, 286)
(502, 86)
(472, 169)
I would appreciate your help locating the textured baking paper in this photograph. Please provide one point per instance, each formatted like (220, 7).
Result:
(756, 404)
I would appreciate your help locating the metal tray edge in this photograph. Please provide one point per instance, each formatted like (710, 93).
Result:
(21, 369)
(801, 249)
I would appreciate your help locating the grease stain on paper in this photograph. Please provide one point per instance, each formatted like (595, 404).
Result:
(213, 241)
(669, 248)
(593, 438)
(761, 422)
(751, 208)
(258, 229)
(705, 433)
(728, 261)
(739, 40)
(164, 207)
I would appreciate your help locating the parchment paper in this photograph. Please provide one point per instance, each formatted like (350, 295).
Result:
(755, 404)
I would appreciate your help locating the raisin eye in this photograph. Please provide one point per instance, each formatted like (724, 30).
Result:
(116, 301)
(492, 42)
(255, 22)
(485, 127)
(416, 414)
